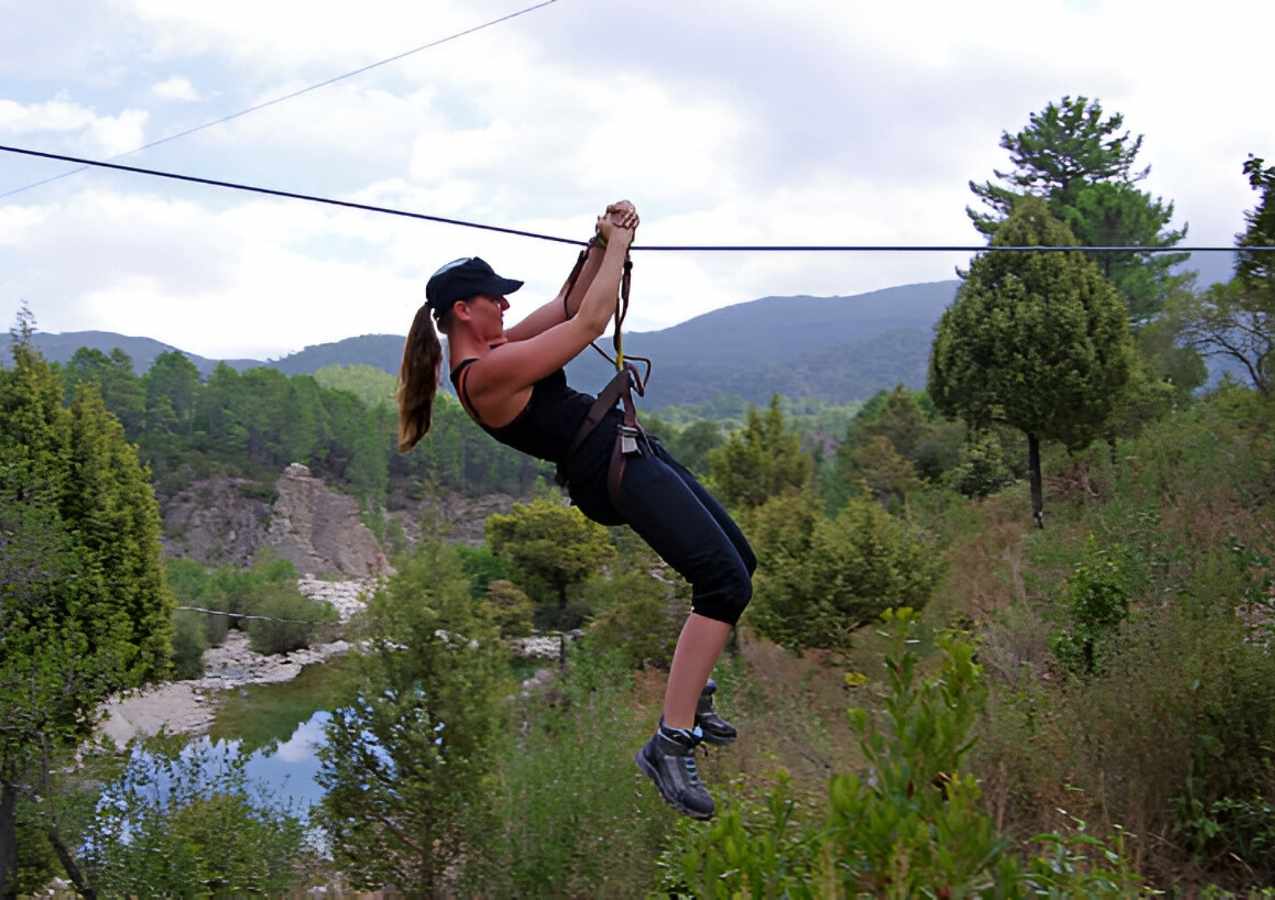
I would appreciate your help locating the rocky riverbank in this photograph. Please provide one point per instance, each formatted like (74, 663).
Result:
(189, 707)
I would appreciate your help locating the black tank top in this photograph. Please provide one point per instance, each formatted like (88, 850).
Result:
(547, 425)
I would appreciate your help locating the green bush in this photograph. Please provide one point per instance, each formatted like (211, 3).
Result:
(410, 757)
(189, 644)
(1097, 603)
(194, 585)
(294, 620)
(509, 608)
(483, 567)
(635, 621)
(183, 824)
(981, 469)
(565, 816)
(821, 579)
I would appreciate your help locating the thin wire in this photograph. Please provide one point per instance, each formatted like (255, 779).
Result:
(750, 248)
(298, 93)
(290, 195)
(218, 612)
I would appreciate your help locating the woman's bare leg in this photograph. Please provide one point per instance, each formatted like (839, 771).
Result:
(698, 647)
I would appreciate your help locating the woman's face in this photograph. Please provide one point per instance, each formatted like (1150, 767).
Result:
(487, 313)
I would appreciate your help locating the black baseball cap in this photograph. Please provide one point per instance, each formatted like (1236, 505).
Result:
(463, 278)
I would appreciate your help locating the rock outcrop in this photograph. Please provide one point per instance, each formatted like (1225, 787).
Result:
(217, 521)
(319, 530)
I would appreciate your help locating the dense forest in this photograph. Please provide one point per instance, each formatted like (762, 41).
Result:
(1010, 634)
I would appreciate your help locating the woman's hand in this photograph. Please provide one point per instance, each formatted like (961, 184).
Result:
(619, 222)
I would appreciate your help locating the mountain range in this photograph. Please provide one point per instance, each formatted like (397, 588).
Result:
(834, 349)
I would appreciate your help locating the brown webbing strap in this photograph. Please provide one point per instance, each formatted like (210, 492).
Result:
(627, 380)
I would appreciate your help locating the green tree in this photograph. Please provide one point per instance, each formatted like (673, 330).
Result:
(374, 387)
(1236, 320)
(1037, 341)
(121, 389)
(1077, 159)
(84, 610)
(552, 549)
(762, 460)
(405, 761)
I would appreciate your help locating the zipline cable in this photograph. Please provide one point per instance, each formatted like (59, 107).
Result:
(277, 100)
(745, 248)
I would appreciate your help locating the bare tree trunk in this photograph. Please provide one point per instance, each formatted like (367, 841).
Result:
(68, 863)
(8, 840)
(1033, 464)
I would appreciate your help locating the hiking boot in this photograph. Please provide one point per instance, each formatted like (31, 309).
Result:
(716, 729)
(669, 760)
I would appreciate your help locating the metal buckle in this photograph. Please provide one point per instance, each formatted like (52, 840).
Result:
(628, 441)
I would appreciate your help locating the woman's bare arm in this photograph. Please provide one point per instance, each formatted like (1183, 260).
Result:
(513, 366)
(551, 313)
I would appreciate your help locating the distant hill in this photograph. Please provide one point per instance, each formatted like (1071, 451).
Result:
(836, 349)
(831, 348)
(142, 350)
(380, 350)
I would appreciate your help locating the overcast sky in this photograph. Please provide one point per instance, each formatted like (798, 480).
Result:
(728, 122)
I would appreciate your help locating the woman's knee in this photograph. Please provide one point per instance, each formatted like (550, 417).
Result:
(727, 597)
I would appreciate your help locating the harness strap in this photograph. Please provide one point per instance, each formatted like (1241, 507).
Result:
(620, 388)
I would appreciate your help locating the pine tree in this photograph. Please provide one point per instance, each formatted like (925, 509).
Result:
(84, 610)
(1037, 341)
(1078, 159)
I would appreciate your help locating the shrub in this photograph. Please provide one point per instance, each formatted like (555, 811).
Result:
(1097, 602)
(509, 608)
(189, 643)
(981, 469)
(821, 579)
(409, 757)
(563, 817)
(194, 585)
(181, 823)
(635, 622)
(294, 619)
(483, 567)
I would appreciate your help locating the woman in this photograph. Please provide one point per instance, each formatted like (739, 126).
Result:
(513, 385)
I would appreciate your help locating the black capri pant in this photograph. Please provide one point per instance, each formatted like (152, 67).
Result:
(682, 522)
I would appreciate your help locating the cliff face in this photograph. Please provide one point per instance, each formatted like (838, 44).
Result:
(221, 521)
(216, 521)
(319, 530)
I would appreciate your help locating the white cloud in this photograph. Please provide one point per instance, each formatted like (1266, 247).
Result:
(176, 88)
(105, 134)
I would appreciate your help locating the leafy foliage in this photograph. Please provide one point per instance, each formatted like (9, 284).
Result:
(821, 579)
(1097, 602)
(1038, 341)
(179, 822)
(84, 609)
(980, 470)
(508, 608)
(408, 757)
(760, 461)
(294, 619)
(552, 549)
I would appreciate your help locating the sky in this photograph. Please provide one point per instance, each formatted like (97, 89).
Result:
(724, 121)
